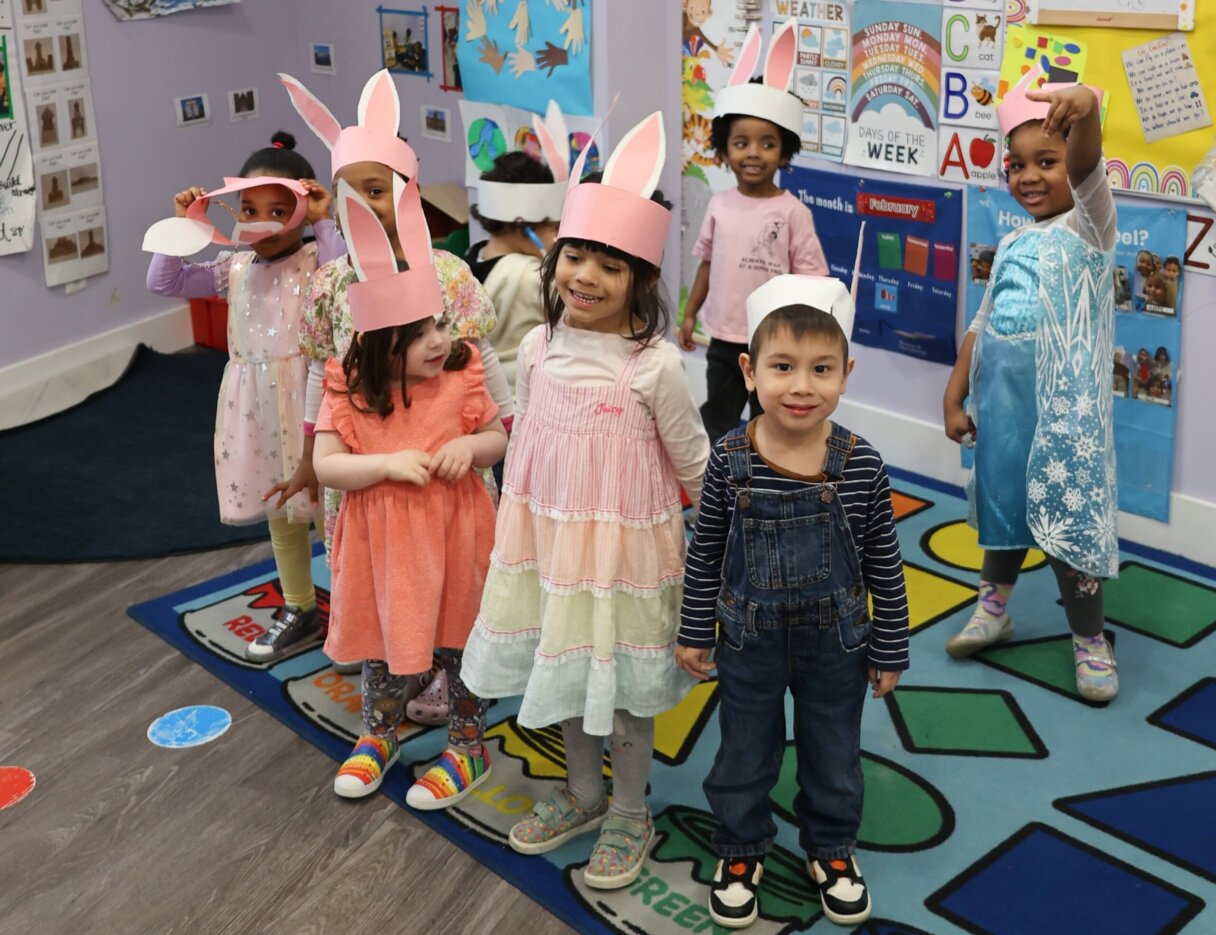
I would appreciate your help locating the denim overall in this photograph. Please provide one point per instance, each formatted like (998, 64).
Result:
(792, 613)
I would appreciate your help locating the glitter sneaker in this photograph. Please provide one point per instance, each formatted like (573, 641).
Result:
(292, 629)
(981, 631)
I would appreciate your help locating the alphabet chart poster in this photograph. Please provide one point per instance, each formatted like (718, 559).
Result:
(1165, 87)
(969, 142)
(893, 105)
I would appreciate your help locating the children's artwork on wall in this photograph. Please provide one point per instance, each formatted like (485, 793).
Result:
(969, 144)
(491, 130)
(403, 42)
(242, 105)
(436, 123)
(894, 99)
(522, 53)
(821, 77)
(910, 257)
(449, 29)
(18, 195)
(1120, 14)
(1165, 87)
(148, 9)
(193, 110)
(1144, 373)
(321, 57)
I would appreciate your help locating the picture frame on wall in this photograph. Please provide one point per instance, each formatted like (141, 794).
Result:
(436, 123)
(192, 110)
(242, 105)
(449, 32)
(321, 55)
(403, 42)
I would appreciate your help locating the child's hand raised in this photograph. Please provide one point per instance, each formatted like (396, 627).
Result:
(1068, 105)
(453, 459)
(183, 200)
(319, 201)
(409, 466)
(695, 661)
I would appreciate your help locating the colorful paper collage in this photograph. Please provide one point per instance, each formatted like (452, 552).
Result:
(895, 93)
(1148, 293)
(909, 262)
(491, 130)
(969, 141)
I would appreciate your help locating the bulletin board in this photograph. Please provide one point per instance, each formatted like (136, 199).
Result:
(1164, 167)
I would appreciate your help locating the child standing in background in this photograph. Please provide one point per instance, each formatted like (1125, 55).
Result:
(405, 416)
(259, 444)
(753, 232)
(1036, 364)
(581, 603)
(795, 532)
(368, 156)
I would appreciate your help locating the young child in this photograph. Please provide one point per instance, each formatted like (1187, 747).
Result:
(795, 485)
(519, 203)
(369, 156)
(580, 608)
(1172, 269)
(1038, 373)
(753, 232)
(259, 443)
(405, 416)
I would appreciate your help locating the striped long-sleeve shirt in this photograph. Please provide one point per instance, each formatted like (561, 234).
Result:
(864, 493)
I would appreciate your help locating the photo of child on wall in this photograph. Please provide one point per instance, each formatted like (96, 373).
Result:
(982, 255)
(1157, 284)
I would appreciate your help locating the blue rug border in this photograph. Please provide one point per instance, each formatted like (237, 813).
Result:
(531, 877)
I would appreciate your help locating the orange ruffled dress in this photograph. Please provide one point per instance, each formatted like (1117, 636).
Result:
(409, 562)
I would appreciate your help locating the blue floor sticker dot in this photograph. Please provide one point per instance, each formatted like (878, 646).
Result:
(189, 727)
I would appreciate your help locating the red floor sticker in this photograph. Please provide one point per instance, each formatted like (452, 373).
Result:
(15, 784)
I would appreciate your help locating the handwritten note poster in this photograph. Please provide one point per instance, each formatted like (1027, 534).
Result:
(18, 199)
(1165, 87)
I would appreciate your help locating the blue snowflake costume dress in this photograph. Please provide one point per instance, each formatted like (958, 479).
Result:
(1041, 381)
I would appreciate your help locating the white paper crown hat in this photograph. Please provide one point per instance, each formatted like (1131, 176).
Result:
(533, 202)
(826, 293)
(771, 99)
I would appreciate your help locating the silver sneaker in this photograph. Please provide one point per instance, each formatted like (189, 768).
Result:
(291, 630)
(980, 632)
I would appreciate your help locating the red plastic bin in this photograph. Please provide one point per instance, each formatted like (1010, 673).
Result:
(209, 318)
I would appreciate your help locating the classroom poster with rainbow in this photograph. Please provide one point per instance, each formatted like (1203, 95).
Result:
(896, 75)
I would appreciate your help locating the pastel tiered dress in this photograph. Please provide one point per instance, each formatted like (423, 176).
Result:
(581, 603)
(409, 562)
(259, 418)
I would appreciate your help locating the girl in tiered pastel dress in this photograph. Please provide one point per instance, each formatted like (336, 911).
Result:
(581, 604)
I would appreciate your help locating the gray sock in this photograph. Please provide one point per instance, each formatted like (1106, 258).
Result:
(632, 743)
(584, 764)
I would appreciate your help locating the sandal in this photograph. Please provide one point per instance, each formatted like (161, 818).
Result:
(619, 854)
(430, 705)
(553, 822)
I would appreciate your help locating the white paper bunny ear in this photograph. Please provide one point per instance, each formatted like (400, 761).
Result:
(637, 161)
(315, 114)
(861, 234)
(749, 55)
(379, 105)
(770, 100)
(384, 297)
(554, 141)
(618, 211)
(782, 53)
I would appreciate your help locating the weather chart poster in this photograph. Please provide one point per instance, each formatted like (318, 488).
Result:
(908, 293)
(821, 76)
(1149, 261)
(895, 95)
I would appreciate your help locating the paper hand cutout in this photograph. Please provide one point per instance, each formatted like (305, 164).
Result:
(521, 62)
(572, 29)
(491, 55)
(491, 7)
(519, 22)
(560, 5)
(551, 57)
(475, 20)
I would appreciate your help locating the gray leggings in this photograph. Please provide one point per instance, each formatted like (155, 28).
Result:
(632, 741)
(1081, 593)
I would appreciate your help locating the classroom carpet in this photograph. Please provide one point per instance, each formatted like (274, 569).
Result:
(997, 800)
(128, 473)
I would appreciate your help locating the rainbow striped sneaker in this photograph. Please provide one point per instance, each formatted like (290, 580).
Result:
(364, 769)
(449, 780)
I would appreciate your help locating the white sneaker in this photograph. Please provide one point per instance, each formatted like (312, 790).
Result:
(980, 632)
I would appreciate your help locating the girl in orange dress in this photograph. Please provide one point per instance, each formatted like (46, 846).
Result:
(405, 416)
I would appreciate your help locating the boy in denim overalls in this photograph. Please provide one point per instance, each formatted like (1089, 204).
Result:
(795, 528)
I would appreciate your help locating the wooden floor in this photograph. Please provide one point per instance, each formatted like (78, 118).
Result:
(243, 835)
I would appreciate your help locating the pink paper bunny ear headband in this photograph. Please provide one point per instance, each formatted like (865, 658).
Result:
(385, 297)
(826, 293)
(533, 202)
(618, 211)
(373, 139)
(1016, 109)
(187, 236)
(770, 100)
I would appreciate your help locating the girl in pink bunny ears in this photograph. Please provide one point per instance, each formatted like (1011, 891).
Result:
(369, 155)
(405, 416)
(581, 603)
